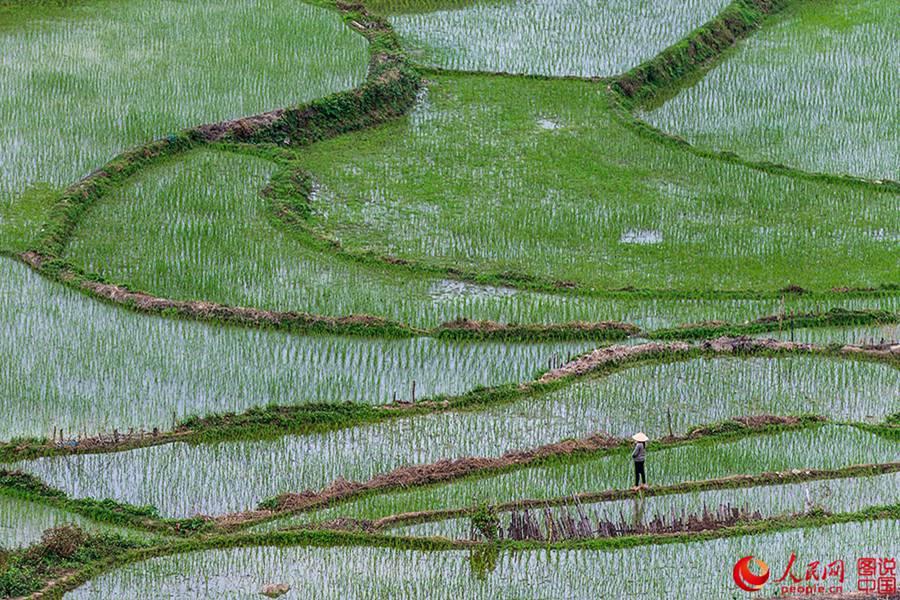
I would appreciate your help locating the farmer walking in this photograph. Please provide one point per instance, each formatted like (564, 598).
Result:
(637, 456)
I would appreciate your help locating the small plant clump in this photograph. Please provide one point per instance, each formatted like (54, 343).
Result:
(576, 524)
(486, 524)
(60, 550)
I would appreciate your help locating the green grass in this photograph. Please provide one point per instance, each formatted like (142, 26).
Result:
(816, 90)
(644, 571)
(21, 217)
(820, 448)
(240, 474)
(584, 39)
(833, 496)
(71, 362)
(84, 81)
(198, 228)
(471, 176)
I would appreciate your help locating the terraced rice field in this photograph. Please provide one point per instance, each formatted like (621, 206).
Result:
(832, 495)
(584, 39)
(653, 215)
(138, 372)
(313, 266)
(837, 120)
(709, 390)
(238, 475)
(830, 447)
(83, 82)
(335, 572)
(213, 237)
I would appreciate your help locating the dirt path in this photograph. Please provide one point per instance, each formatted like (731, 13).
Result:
(720, 346)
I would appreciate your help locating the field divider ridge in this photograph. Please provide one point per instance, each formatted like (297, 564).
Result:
(661, 77)
(28, 487)
(389, 92)
(765, 479)
(271, 421)
(476, 551)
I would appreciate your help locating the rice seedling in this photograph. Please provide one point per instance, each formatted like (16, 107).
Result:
(643, 571)
(72, 363)
(817, 91)
(547, 37)
(554, 190)
(888, 333)
(83, 81)
(829, 447)
(238, 475)
(212, 239)
(469, 177)
(20, 219)
(22, 522)
(833, 496)
(653, 398)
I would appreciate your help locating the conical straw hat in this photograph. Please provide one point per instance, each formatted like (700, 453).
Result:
(640, 437)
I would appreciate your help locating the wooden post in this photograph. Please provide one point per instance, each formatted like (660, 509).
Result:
(781, 316)
(414, 391)
(53, 439)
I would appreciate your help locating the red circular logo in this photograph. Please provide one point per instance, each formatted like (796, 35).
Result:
(746, 579)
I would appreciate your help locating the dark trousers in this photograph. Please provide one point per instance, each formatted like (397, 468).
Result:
(639, 474)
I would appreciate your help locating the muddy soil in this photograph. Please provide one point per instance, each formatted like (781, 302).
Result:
(722, 345)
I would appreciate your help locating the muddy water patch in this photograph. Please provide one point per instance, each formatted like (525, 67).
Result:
(449, 290)
(548, 124)
(641, 237)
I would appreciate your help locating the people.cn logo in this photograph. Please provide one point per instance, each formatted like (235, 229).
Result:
(746, 579)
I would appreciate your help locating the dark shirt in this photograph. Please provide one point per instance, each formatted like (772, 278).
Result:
(639, 452)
